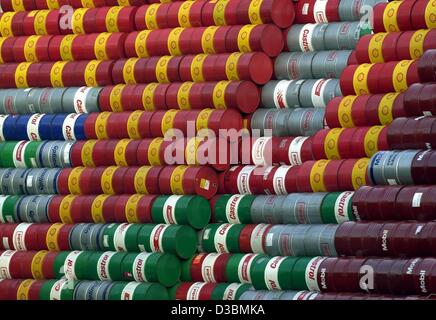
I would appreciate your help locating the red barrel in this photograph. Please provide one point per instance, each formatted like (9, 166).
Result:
(188, 180)
(313, 11)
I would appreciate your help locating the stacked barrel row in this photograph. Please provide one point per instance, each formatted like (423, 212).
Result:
(16, 6)
(240, 95)
(145, 17)
(106, 215)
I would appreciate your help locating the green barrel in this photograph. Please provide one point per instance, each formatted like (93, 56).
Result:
(31, 154)
(221, 237)
(229, 291)
(177, 239)
(121, 237)
(337, 207)
(95, 267)
(233, 208)
(126, 237)
(299, 274)
(116, 290)
(106, 265)
(138, 291)
(8, 212)
(76, 265)
(239, 266)
(173, 290)
(163, 268)
(190, 210)
(108, 236)
(19, 154)
(149, 291)
(44, 292)
(273, 273)
(113, 270)
(185, 273)
(61, 289)
(59, 264)
(7, 154)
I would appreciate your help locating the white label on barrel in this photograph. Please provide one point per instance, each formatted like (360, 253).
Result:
(169, 209)
(220, 238)
(279, 94)
(70, 265)
(230, 292)
(305, 37)
(427, 113)
(341, 206)
(244, 267)
(68, 126)
(294, 152)
(272, 273)
(56, 289)
(305, 9)
(208, 266)
(129, 290)
(18, 154)
(257, 153)
(256, 240)
(139, 266)
(80, 99)
(194, 291)
(67, 149)
(3, 117)
(319, 11)
(2, 202)
(232, 208)
(279, 180)
(244, 179)
(29, 181)
(416, 201)
(312, 273)
(18, 238)
(5, 259)
(33, 127)
(103, 265)
(106, 240)
(318, 93)
(156, 237)
(120, 237)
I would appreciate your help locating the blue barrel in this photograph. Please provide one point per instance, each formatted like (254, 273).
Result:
(45, 126)
(57, 126)
(79, 126)
(15, 127)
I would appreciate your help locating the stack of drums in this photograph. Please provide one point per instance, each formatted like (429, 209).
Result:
(217, 150)
(98, 200)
